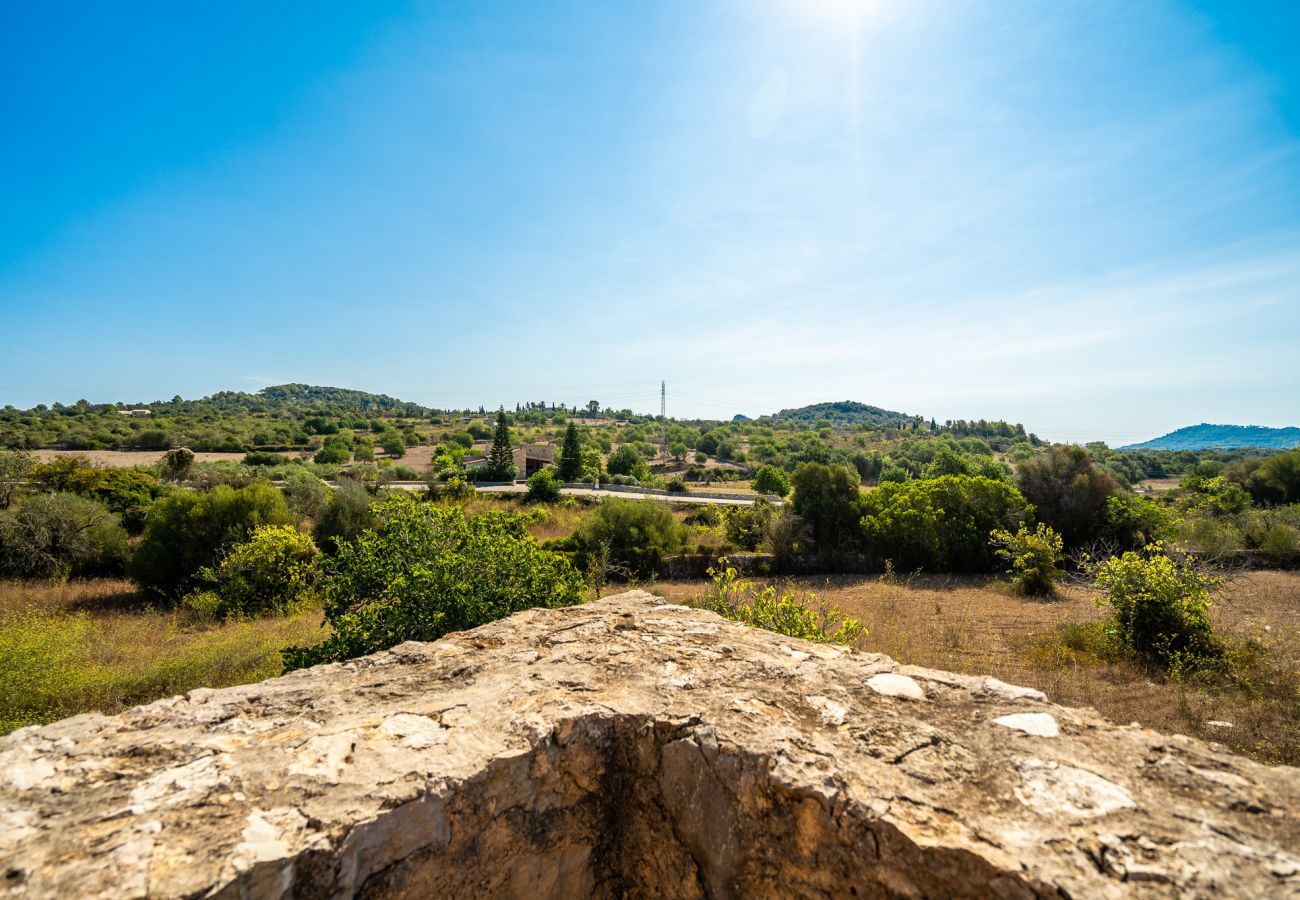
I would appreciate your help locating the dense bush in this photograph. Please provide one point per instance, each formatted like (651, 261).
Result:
(263, 458)
(747, 526)
(347, 514)
(1159, 606)
(61, 535)
(1271, 480)
(784, 612)
(306, 495)
(1067, 491)
(272, 572)
(829, 501)
(430, 570)
(543, 487)
(392, 443)
(188, 530)
(336, 451)
(1133, 521)
(627, 461)
(771, 480)
(637, 533)
(1033, 558)
(940, 524)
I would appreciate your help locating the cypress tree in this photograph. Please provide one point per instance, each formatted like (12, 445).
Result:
(570, 465)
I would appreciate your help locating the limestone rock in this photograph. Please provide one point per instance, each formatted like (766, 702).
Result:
(629, 747)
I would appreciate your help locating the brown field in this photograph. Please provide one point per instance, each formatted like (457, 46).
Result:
(977, 626)
(1158, 485)
(123, 458)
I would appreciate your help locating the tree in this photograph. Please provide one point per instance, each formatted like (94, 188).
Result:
(61, 535)
(430, 570)
(771, 480)
(392, 443)
(940, 524)
(593, 409)
(188, 530)
(569, 467)
(627, 461)
(15, 465)
(501, 458)
(828, 499)
(336, 451)
(1068, 491)
(176, 464)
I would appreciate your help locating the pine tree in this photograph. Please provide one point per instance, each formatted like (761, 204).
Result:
(501, 458)
(570, 465)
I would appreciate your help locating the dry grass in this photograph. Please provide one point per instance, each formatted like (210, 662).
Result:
(99, 646)
(124, 458)
(977, 626)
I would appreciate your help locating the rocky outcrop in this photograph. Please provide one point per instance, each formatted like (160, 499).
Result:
(629, 747)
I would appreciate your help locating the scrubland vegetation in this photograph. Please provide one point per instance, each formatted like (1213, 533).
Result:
(896, 533)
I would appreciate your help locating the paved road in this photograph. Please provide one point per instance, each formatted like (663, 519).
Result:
(738, 500)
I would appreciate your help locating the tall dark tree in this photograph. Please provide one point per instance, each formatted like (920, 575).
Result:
(570, 465)
(1068, 492)
(501, 458)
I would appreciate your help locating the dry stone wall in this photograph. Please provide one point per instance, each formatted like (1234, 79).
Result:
(633, 748)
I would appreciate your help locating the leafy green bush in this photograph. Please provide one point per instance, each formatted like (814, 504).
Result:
(430, 570)
(363, 450)
(348, 514)
(306, 495)
(638, 534)
(188, 530)
(771, 480)
(1133, 521)
(1159, 606)
(263, 458)
(61, 535)
(1034, 558)
(940, 524)
(272, 572)
(746, 526)
(336, 451)
(392, 443)
(676, 486)
(543, 487)
(829, 501)
(781, 611)
(627, 461)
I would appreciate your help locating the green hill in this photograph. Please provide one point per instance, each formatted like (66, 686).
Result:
(844, 412)
(1227, 437)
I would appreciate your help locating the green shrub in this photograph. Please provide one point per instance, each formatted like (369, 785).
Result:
(771, 480)
(346, 516)
(543, 487)
(784, 612)
(392, 443)
(1210, 537)
(272, 572)
(264, 458)
(746, 526)
(453, 488)
(306, 495)
(61, 535)
(829, 501)
(1034, 558)
(638, 534)
(1159, 606)
(176, 464)
(363, 450)
(676, 486)
(627, 461)
(188, 530)
(940, 524)
(336, 451)
(430, 570)
(1133, 521)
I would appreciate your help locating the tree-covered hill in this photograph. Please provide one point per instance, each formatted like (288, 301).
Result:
(844, 412)
(1206, 436)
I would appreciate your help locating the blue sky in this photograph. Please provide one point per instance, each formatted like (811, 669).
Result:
(1084, 216)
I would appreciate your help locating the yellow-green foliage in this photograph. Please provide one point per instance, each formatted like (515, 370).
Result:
(272, 572)
(55, 663)
(1034, 557)
(1160, 606)
(783, 612)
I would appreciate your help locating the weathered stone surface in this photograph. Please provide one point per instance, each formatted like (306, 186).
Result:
(633, 748)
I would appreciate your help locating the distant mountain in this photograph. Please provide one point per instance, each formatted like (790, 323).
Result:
(1226, 437)
(314, 398)
(845, 412)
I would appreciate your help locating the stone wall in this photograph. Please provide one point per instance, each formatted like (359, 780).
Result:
(631, 748)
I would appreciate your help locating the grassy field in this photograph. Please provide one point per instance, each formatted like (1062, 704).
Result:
(97, 645)
(976, 626)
